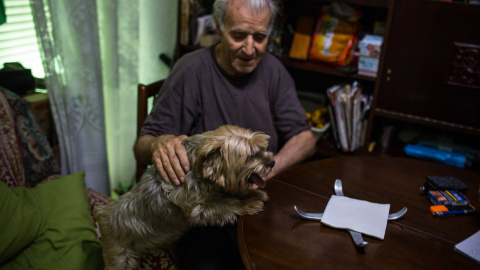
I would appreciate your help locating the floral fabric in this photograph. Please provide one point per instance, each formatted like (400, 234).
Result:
(35, 151)
(11, 165)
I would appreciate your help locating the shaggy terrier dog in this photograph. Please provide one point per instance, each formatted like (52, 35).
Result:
(225, 162)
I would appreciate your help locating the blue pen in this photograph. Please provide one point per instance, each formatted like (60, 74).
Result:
(455, 212)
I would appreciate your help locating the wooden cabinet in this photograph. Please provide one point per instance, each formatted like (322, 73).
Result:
(429, 79)
(429, 73)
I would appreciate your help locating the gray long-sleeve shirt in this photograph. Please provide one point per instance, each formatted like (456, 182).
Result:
(199, 96)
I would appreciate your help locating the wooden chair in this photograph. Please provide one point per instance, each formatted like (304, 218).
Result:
(144, 93)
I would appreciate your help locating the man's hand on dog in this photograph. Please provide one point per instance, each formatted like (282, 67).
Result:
(170, 157)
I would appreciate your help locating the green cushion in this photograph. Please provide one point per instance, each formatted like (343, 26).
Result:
(13, 212)
(69, 241)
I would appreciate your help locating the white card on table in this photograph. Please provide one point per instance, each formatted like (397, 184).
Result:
(357, 215)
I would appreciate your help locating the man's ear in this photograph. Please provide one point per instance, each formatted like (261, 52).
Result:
(217, 26)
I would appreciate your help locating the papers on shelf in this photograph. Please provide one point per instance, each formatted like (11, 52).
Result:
(357, 215)
(470, 247)
(348, 109)
(205, 25)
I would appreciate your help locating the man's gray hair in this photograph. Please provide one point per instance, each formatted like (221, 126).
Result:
(255, 6)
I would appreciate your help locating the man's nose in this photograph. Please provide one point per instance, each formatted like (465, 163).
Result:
(249, 46)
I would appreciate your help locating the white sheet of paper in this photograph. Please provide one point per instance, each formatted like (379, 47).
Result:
(357, 215)
(470, 247)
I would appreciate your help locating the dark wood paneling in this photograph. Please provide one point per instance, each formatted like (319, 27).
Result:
(423, 53)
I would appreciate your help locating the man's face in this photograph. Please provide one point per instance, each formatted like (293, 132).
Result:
(243, 40)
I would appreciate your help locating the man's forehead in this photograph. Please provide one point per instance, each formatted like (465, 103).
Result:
(240, 30)
(241, 17)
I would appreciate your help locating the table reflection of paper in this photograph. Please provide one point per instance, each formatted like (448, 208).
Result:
(357, 215)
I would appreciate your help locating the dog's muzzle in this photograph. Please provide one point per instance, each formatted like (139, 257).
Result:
(257, 180)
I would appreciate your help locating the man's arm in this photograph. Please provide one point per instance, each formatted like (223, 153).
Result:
(167, 153)
(297, 149)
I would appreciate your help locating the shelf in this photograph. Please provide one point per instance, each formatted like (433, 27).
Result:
(312, 66)
(323, 68)
(426, 121)
(365, 3)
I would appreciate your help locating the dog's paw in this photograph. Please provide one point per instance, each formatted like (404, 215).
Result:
(255, 203)
(252, 207)
(257, 195)
(262, 195)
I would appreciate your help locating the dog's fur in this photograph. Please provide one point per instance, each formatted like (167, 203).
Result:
(154, 214)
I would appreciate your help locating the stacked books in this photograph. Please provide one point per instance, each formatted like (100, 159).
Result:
(348, 108)
(449, 203)
(444, 193)
(447, 197)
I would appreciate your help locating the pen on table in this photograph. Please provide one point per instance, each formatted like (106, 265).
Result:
(442, 210)
(455, 212)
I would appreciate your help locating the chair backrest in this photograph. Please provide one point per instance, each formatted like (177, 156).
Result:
(144, 93)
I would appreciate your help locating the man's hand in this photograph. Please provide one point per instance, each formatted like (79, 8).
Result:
(167, 153)
(170, 157)
(297, 149)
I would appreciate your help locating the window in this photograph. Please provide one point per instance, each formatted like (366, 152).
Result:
(18, 40)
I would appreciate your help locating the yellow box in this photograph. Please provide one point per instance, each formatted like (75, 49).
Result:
(302, 38)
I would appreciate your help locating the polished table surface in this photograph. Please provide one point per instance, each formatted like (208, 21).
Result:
(278, 238)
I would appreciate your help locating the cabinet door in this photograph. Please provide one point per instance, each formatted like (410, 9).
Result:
(431, 71)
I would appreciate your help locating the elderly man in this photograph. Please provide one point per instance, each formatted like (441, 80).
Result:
(233, 82)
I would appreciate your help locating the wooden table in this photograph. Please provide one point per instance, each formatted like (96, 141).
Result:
(278, 238)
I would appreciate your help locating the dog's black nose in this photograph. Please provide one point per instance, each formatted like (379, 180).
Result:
(271, 163)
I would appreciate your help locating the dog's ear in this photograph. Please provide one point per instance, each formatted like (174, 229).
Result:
(260, 140)
(212, 155)
(212, 167)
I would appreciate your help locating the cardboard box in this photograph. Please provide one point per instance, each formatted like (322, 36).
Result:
(369, 47)
(302, 38)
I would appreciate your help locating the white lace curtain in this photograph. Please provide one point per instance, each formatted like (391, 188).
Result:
(90, 51)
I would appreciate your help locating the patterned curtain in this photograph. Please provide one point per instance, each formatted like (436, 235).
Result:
(92, 50)
(70, 49)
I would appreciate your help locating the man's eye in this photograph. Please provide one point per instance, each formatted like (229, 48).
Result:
(259, 37)
(239, 35)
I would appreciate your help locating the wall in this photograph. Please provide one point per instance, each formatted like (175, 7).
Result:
(158, 33)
